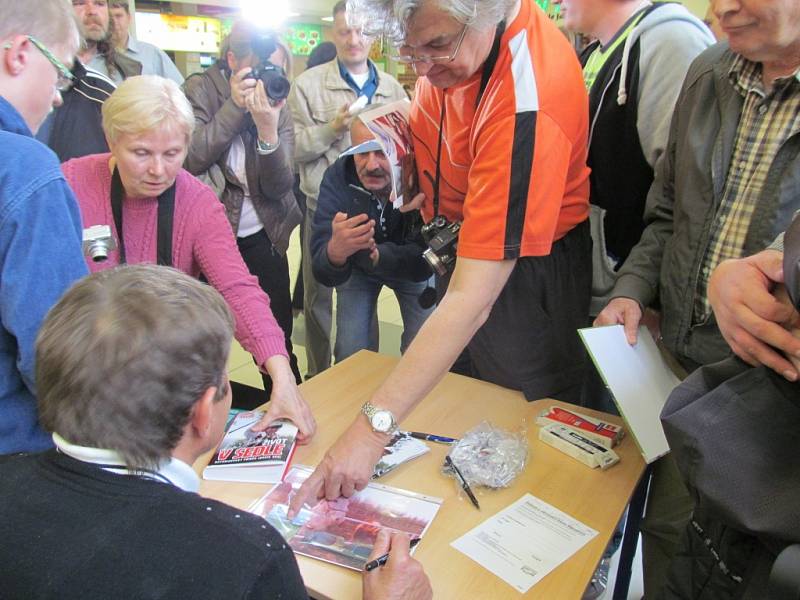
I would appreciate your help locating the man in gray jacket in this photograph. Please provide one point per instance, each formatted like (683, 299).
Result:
(320, 99)
(728, 183)
(243, 145)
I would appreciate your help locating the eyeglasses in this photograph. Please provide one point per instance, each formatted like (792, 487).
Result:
(409, 59)
(65, 77)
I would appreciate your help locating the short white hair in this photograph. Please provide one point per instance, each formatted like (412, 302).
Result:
(390, 18)
(145, 103)
(52, 22)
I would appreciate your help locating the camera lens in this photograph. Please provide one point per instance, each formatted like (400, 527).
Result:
(278, 88)
(98, 250)
(275, 84)
(436, 264)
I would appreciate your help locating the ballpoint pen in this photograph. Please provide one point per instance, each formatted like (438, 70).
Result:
(462, 481)
(432, 438)
(381, 560)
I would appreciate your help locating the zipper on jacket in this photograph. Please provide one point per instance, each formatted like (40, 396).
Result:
(600, 103)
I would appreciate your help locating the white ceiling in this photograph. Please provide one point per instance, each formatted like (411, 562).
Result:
(310, 8)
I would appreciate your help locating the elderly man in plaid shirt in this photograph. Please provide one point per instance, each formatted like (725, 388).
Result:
(729, 182)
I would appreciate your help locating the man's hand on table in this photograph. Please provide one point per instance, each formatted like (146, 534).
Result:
(751, 319)
(346, 467)
(401, 578)
(286, 401)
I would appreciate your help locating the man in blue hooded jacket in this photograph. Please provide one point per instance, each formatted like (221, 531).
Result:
(359, 250)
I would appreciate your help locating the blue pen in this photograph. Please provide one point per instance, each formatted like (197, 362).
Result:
(429, 437)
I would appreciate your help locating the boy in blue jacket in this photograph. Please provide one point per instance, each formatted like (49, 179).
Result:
(40, 226)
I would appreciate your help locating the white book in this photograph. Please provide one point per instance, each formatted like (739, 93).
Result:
(639, 379)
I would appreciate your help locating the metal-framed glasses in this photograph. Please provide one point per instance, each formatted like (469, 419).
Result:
(65, 77)
(429, 60)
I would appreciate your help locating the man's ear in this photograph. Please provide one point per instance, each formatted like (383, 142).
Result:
(202, 414)
(16, 54)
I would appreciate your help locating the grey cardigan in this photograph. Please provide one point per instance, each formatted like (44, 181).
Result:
(683, 202)
(269, 177)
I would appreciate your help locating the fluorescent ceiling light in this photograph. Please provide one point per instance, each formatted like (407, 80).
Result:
(328, 19)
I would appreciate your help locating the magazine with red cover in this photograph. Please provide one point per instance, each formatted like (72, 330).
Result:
(255, 457)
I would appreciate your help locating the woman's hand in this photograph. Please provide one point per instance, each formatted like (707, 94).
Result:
(265, 114)
(286, 401)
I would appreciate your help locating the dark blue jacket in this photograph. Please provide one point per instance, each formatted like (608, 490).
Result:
(396, 234)
(40, 257)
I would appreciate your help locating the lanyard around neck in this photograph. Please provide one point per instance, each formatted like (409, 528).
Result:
(166, 212)
(488, 67)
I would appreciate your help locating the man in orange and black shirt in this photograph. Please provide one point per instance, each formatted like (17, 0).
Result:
(504, 87)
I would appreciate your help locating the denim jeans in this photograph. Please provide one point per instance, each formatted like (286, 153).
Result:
(356, 303)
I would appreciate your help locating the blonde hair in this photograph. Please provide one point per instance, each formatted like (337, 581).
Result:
(50, 21)
(145, 103)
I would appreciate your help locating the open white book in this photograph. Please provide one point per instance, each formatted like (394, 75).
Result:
(639, 379)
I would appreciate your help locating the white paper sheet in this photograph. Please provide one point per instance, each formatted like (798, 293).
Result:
(524, 542)
(639, 379)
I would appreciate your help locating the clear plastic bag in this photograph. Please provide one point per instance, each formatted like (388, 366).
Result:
(489, 456)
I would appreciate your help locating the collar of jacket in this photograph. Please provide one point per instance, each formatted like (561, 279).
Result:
(11, 120)
(216, 73)
(333, 78)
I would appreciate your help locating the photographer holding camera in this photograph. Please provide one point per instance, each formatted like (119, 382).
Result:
(500, 124)
(360, 243)
(243, 146)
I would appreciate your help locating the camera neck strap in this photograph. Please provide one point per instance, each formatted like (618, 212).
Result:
(166, 213)
(488, 67)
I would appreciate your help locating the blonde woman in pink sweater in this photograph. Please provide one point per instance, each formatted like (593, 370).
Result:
(168, 216)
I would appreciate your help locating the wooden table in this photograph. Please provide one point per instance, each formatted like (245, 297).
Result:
(597, 498)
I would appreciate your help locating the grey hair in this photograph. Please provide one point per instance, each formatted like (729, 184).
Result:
(390, 18)
(124, 356)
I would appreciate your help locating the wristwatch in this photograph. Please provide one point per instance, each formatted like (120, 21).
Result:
(382, 420)
(265, 148)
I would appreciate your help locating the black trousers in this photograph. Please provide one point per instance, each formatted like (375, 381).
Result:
(530, 341)
(272, 270)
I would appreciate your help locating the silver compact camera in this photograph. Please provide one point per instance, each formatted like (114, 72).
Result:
(98, 242)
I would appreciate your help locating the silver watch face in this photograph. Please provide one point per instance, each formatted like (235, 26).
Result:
(382, 421)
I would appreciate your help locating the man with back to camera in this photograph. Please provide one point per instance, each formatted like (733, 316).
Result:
(153, 59)
(123, 515)
(360, 252)
(521, 283)
(40, 226)
(728, 183)
(244, 143)
(320, 98)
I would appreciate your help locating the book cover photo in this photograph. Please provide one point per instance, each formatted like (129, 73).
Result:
(343, 531)
(256, 457)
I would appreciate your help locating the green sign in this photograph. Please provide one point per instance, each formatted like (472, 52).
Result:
(549, 7)
(302, 39)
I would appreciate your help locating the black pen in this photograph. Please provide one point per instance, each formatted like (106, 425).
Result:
(429, 437)
(464, 485)
(381, 560)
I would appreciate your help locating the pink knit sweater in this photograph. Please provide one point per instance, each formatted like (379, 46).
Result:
(202, 243)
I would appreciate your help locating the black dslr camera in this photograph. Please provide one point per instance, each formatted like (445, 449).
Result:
(274, 78)
(441, 236)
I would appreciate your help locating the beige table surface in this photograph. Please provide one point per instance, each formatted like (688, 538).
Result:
(596, 498)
